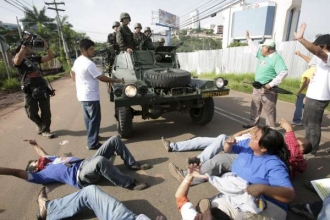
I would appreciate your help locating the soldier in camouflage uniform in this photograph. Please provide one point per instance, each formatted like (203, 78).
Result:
(147, 32)
(112, 44)
(161, 41)
(125, 37)
(139, 37)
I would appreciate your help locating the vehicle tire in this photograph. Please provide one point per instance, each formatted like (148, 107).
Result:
(167, 78)
(205, 114)
(124, 121)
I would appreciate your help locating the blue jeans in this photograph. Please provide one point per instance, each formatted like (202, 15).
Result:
(95, 167)
(325, 212)
(313, 115)
(297, 116)
(92, 118)
(91, 197)
(210, 146)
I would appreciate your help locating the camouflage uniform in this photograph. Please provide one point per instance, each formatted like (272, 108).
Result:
(139, 38)
(125, 38)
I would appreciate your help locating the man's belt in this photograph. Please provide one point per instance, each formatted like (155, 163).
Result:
(33, 74)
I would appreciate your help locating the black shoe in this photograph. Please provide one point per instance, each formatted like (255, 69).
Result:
(247, 126)
(300, 209)
(137, 186)
(139, 166)
(166, 144)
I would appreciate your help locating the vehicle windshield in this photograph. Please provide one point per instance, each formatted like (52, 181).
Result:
(143, 57)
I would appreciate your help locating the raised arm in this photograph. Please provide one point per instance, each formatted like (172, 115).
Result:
(306, 58)
(22, 174)
(252, 46)
(279, 193)
(17, 60)
(317, 51)
(37, 148)
(73, 75)
(50, 55)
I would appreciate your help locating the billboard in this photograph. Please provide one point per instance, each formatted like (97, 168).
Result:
(257, 19)
(168, 19)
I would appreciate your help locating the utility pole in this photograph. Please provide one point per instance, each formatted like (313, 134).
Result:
(60, 30)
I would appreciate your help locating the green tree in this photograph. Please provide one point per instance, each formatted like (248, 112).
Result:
(34, 17)
(9, 36)
(236, 43)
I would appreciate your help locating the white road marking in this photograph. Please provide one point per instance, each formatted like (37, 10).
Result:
(230, 115)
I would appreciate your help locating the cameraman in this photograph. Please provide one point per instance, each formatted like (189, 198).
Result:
(37, 93)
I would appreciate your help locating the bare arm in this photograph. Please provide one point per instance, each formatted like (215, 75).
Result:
(252, 46)
(240, 133)
(104, 78)
(228, 146)
(304, 85)
(17, 60)
(50, 55)
(306, 58)
(73, 75)
(41, 152)
(22, 174)
(317, 51)
(279, 193)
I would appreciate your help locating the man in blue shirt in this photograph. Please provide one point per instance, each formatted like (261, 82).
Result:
(81, 172)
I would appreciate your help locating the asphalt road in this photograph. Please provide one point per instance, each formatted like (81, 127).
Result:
(18, 198)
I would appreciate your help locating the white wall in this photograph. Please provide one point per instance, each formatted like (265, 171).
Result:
(240, 60)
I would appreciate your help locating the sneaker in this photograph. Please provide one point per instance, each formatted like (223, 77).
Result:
(138, 166)
(301, 209)
(203, 205)
(42, 200)
(296, 124)
(94, 147)
(47, 134)
(176, 172)
(137, 186)
(166, 144)
(38, 129)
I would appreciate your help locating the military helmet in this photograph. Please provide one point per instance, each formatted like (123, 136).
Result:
(137, 25)
(147, 29)
(115, 24)
(161, 40)
(124, 15)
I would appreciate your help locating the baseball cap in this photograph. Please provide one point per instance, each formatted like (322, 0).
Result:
(323, 39)
(269, 43)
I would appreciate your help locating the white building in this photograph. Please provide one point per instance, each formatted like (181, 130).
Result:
(8, 26)
(276, 19)
(194, 16)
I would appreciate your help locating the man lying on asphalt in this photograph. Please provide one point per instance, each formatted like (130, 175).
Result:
(81, 172)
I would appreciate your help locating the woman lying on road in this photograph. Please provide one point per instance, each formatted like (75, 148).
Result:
(264, 165)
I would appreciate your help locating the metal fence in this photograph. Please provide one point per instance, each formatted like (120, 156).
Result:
(241, 60)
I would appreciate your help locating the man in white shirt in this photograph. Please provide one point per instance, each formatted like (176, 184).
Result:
(86, 75)
(318, 92)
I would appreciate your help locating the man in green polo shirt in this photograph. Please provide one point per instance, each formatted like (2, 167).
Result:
(271, 71)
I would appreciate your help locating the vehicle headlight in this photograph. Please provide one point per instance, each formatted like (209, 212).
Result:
(220, 82)
(130, 91)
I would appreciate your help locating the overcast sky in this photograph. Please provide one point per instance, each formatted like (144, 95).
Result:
(95, 17)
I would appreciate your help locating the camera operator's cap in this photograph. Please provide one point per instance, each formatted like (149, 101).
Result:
(269, 43)
(323, 39)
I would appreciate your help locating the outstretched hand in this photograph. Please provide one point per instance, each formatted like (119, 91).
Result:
(194, 170)
(32, 142)
(300, 33)
(285, 125)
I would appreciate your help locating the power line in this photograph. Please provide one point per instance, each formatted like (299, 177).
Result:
(11, 10)
(183, 23)
(15, 6)
(22, 5)
(194, 7)
(27, 3)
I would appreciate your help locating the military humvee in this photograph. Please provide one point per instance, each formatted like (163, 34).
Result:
(154, 85)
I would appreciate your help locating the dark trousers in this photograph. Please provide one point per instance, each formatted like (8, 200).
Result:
(92, 118)
(312, 119)
(32, 107)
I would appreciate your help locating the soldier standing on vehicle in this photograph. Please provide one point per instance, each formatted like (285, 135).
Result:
(147, 32)
(161, 41)
(112, 44)
(139, 37)
(125, 37)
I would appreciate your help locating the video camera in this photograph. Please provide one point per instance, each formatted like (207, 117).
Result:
(32, 40)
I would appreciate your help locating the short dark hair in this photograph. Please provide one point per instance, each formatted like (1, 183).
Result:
(29, 167)
(218, 214)
(306, 144)
(85, 44)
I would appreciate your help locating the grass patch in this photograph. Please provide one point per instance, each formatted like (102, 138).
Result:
(235, 82)
(11, 84)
